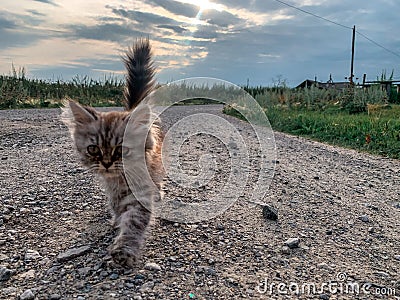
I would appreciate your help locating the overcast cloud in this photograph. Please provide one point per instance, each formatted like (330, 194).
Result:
(231, 40)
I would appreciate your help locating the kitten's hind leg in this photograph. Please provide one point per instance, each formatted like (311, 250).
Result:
(132, 225)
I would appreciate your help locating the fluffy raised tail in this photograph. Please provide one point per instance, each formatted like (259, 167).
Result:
(140, 77)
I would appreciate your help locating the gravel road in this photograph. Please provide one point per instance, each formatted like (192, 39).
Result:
(338, 224)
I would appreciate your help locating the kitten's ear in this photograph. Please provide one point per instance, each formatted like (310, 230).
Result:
(138, 130)
(142, 116)
(82, 115)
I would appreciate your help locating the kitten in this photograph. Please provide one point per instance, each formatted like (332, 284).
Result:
(98, 137)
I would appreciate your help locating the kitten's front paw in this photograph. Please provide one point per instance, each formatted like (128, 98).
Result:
(124, 257)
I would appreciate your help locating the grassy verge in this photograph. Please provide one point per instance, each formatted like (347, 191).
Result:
(377, 132)
(17, 91)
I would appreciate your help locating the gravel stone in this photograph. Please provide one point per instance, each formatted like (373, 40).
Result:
(27, 295)
(364, 218)
(147, 287)
(292, 243)
(269, 212)
(32, 255)
(5, 274)
(285, 250)
(73, 253)
(152, 266)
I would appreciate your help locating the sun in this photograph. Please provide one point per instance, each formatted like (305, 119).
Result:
(206, 5)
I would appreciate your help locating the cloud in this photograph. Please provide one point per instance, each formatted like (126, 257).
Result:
(6, 24)
(220, 18)
(47, 2)
(19, 30)
(175, 28)
(177, 8)
(104, 32)
(143, 18)
(35, 13)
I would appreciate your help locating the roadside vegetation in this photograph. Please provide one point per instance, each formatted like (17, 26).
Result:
(18, 91)
(365, 119)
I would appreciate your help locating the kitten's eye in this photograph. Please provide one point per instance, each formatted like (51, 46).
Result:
(94, 150)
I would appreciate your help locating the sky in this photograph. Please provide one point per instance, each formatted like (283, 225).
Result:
(262, 42)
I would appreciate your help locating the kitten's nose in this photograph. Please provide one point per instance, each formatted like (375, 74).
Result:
(107, 164)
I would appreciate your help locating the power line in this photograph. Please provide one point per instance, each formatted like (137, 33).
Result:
(312, 14)
(377, 44)
(338, 24)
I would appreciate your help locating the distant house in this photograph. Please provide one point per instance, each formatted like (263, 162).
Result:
(323, 85)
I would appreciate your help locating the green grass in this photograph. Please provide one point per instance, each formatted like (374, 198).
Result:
(376, 133)
(17, 91)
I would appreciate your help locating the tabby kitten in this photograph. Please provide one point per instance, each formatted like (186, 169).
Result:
(98, 138)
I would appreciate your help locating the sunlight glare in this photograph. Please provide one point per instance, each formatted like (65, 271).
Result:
(205, 4)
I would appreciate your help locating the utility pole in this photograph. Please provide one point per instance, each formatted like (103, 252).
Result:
(352, 56)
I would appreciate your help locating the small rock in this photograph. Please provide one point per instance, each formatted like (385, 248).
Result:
(73, 253)
(285, 250)
(324, 266)
(147, 287)
(292, 243)
(233, 281)
(129, 285)
(114, 276)
(220, 227)
(269, 212)
(152, 266)
(28, 275)
(199, 269)
(324, 297)
(364, 218)
(31, 255)
(371, 229)
(84, 271)
(250, 292)
(27, 295)
(80, 298)
(329, 232)
(139, 277)
(381, 273)
(397, 257)
(5, 274)
(55, 297)
(105, 287)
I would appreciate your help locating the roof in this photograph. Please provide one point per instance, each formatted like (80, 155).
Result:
(323, 85)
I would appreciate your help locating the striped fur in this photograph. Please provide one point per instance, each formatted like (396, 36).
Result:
(98, 136)
(140, 77)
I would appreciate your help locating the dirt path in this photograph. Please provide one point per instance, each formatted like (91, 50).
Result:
(343, 206)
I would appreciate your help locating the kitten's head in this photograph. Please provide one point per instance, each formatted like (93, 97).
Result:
(98, 136)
